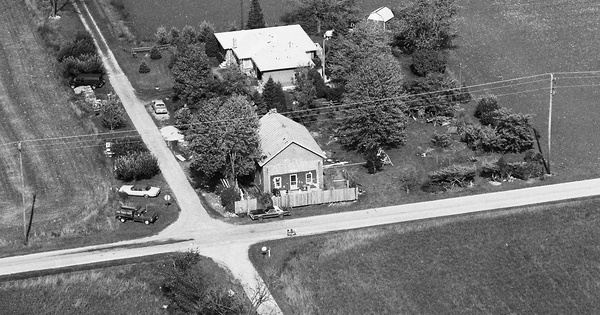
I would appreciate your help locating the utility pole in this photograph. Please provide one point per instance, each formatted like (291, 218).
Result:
(552, 92)
(23, 193)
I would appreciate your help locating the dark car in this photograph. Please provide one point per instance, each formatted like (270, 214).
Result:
(135, 214)
(95, 80)
(271, 212)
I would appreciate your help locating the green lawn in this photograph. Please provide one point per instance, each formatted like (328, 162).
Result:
(538, 260)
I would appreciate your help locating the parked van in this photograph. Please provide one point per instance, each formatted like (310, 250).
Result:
(95, 80)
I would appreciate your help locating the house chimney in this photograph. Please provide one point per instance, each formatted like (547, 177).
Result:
(234, 43)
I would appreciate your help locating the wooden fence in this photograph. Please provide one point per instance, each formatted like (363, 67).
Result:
(303, 198)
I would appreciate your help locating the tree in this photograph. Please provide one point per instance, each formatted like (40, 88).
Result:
(273, 96)
(212, 46)
(255, 16)
(379, 120)
(424, 25)
(347, 52)
(317, 16)
(515, 130)
(113, 114)
(162, 35)
(486, 109)
(305, 94)
(223, 138)
(428, 61)
(204, 30)
(259, 102)
(174, 36)
(193, 77)
(188, 35)
(234, 82)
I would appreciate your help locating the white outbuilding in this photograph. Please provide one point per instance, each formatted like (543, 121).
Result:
(381, 15)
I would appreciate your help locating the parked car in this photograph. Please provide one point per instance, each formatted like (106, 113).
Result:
(135, 214)
(271, 212)
(159, 107)
(140, 190)
(95, 80)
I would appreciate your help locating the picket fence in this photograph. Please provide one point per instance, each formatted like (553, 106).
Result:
(303, 198)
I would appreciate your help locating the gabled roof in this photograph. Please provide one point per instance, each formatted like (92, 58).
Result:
(277, 132)
(383, 14)
(271, 48)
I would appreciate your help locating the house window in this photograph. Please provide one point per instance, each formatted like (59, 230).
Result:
(293, 181)
(309, 178)
(276, 182)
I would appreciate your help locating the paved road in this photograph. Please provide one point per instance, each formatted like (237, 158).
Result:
(229, 244)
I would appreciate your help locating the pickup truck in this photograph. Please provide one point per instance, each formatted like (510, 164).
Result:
(271, 212)
(135, 214)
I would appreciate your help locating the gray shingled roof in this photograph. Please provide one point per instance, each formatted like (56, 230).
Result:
(277, 132)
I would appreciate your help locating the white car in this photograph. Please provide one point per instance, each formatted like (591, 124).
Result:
(140, 190)
(159, 107)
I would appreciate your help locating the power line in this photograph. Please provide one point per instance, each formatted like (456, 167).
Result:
(405, 98)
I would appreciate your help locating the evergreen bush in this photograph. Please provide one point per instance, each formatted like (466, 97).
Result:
(486, 108)
(228, 198)
(155, 53)
(144, 67)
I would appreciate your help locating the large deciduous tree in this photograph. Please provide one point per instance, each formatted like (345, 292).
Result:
(424, 25)
(317, 16)
(194, 80)
(378, 119)
(255, 16)
(346, 52)
(223, 138)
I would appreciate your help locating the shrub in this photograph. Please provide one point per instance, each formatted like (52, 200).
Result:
(86, 63)
(113, 115)
(425, 62)
(188, 35)
(409, 178)
(83, 44)
(374, 162)
(144, 67)
(482, 138)
(486, 108)
(127, 146)
(136, 166)
(174, 36)
(211, 48)
(433, 95)
(155, 53)
(515, 130)
(521, 170)
(441, 140)
(228, 198)
(453, 175)
(183, 118)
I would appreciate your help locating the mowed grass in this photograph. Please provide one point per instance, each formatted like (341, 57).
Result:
(505, 39)
(133, 288)
(537, 260)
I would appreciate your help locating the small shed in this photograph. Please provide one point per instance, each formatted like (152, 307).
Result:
(381, 15)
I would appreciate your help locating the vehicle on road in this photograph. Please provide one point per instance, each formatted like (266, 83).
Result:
(271, 212)
(159, 107)
(140, 190)
(95, 80)
(135, 214)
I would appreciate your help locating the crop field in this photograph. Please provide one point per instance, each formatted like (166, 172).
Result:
(147, 15)
(538, 260)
